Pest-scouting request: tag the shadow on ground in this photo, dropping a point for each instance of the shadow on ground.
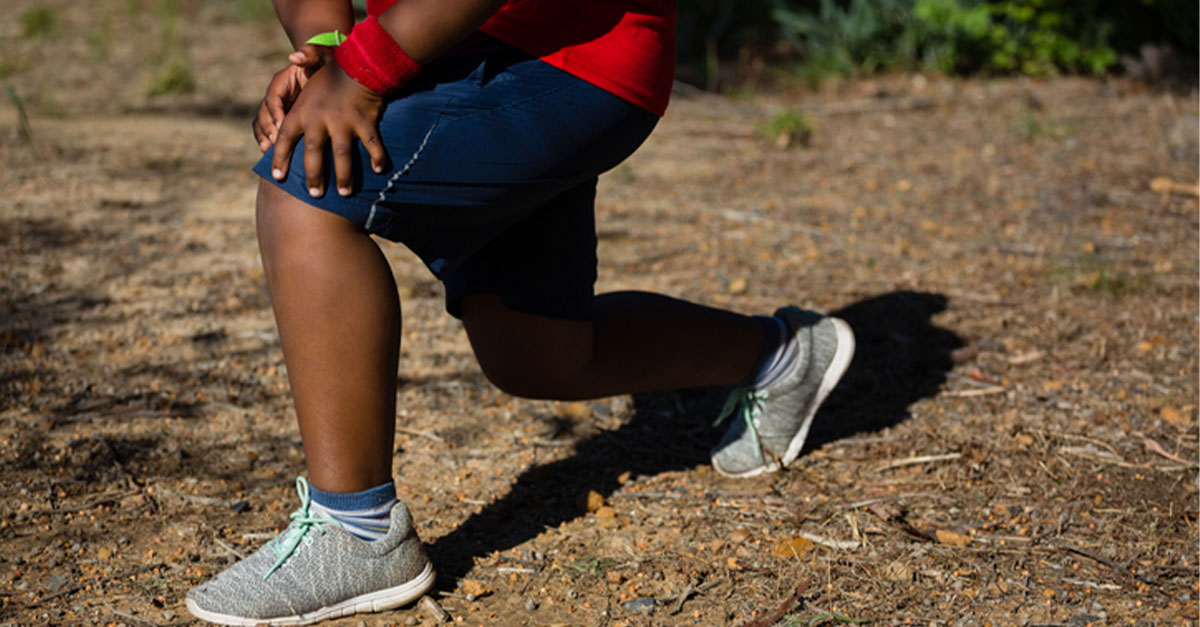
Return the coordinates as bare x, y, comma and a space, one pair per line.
901, 357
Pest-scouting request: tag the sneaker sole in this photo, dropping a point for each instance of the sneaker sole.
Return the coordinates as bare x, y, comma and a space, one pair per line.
833, 374
377, 601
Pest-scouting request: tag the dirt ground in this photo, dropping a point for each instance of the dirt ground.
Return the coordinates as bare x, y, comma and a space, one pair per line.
1015, 444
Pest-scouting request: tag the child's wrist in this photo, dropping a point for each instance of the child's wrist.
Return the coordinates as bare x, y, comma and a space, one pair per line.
371, 57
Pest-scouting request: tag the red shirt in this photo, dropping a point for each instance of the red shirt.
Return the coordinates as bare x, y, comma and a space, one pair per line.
626, 47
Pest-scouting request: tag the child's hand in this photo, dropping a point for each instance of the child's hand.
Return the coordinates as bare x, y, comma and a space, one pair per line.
336, 108
283, 90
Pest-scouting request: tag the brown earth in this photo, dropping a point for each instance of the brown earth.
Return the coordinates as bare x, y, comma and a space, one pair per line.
1016, 442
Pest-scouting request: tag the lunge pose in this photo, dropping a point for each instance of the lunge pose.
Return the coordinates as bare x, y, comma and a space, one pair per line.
473, 131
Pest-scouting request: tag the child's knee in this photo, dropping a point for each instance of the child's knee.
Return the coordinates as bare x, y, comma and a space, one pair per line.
526, 355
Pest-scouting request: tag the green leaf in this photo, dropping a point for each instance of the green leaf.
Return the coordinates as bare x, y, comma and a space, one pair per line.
332, 38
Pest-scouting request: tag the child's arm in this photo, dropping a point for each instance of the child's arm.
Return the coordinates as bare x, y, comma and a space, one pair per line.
301, 19
334, 107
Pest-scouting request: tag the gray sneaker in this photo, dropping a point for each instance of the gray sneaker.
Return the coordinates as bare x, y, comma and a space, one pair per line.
314, 570
772, 423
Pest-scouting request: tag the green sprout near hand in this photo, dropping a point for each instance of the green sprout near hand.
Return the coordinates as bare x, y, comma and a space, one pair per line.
333, 39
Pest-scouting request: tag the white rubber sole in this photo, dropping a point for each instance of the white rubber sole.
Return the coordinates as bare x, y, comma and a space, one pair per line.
377, 601
837, 367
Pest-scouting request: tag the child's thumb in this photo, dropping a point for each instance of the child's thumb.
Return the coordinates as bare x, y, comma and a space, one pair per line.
305, 56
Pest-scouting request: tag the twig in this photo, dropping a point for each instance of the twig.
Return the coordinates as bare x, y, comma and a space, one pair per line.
225, 545
988, 391
100, 500
841, 545
923, 459
783, 610
689, 591
1100, 558
136, 619
683, 596
1156, 448
1092, 584
424, 434
514, 569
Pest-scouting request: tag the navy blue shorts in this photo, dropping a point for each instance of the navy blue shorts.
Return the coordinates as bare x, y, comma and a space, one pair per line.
494, 157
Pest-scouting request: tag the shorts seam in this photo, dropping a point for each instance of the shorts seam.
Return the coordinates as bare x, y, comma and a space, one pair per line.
399, 173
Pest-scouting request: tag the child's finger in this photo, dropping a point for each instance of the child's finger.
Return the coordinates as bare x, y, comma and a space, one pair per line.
314, 160
369, 136
343, 166
275, 111
285, 143
265, 126
305, 56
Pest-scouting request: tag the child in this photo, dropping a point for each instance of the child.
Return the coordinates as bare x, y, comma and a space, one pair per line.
473, 131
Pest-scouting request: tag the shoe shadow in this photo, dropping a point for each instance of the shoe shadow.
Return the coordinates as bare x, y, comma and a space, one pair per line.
901, 357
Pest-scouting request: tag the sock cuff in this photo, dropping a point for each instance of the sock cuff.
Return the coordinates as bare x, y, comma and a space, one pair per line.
348, 501
774, 334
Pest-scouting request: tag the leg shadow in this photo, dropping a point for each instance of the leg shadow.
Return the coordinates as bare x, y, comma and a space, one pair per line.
901, 358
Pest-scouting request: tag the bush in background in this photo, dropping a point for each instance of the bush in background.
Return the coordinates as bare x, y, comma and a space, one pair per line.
846, 37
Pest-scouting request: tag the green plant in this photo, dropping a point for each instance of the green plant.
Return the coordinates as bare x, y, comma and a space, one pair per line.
594, 566
174, 77
1033, 127
253, 11
1034, 37
24, 130
822, 619
38, 21
788, 128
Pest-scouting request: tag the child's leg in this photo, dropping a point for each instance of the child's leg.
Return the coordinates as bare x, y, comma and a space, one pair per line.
637, 342
338, 315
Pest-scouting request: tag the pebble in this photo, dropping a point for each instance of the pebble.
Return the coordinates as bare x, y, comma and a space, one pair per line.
530, 605
644, 605
571, 594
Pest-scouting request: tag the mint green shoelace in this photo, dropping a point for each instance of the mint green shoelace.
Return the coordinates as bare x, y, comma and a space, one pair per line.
286, 542
747, 402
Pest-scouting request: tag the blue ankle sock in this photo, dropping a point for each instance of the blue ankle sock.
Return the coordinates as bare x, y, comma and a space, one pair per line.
778, 353
366, 514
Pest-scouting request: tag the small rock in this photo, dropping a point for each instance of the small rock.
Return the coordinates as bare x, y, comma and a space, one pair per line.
571, 594
606, 512
431, 607
411, 620
530, 605
104, 553
613, 576
738, 286
644, 605
539, 556
738, 535
593, 501
361, 623
946, 536
240, 506
474, 588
